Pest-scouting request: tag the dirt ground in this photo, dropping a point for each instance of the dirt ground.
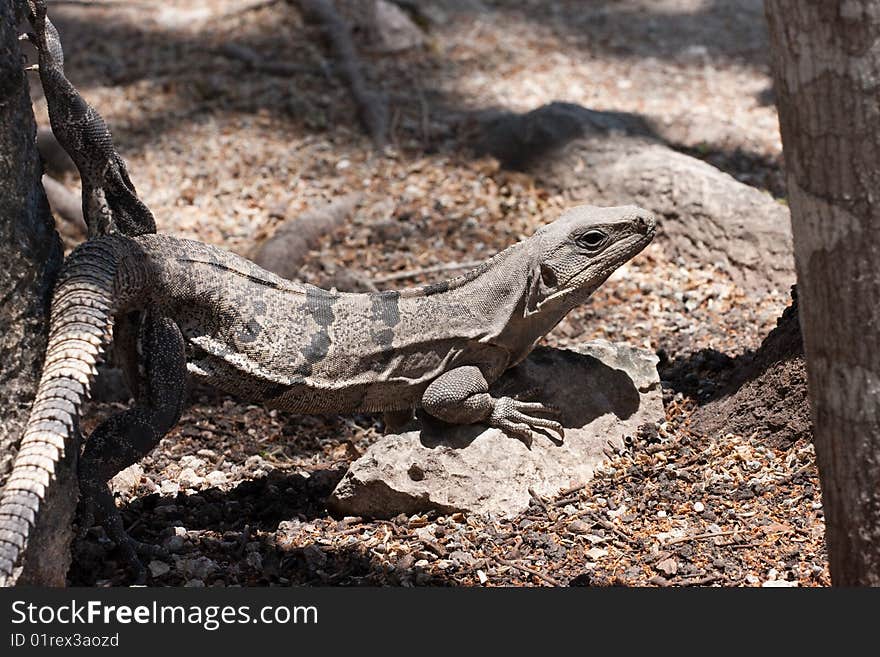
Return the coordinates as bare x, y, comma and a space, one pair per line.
223, 153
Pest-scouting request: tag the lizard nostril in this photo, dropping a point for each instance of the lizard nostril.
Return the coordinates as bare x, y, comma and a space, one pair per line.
645, 224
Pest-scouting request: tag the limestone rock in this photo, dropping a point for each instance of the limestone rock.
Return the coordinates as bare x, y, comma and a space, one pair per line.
605, 392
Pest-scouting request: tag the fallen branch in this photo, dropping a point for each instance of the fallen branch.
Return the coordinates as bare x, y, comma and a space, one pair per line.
698, 537
65, 203
254, 61
372, 107
531, 571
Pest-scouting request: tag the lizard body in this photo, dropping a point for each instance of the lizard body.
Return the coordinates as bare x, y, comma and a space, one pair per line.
170, 306
293, 346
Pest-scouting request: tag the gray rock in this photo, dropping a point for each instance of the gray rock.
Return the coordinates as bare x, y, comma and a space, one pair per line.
613, 158
605, 391
158, 568
393, 30
199, 568
173, 543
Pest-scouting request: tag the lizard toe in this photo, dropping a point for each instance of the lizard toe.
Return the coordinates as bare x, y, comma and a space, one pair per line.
517, 430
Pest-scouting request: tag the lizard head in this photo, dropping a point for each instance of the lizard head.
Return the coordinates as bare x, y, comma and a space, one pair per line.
578, 251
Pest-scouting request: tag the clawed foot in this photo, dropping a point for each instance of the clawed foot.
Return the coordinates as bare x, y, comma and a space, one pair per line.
517, 418
132, 550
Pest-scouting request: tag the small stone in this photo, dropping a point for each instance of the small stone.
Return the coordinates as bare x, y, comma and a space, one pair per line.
668, 566
482, 577
189, 479
194, 584
596, 553
198, 568
192, 462
169, 488
751, 579
578, 527
127, 480
254, 560
462, 558
314, 556
158, 568
661, 513
699, 507
491, 474
216, 478
173, 543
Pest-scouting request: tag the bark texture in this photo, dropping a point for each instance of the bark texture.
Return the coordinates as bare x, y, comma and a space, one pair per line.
31, 255
827, 72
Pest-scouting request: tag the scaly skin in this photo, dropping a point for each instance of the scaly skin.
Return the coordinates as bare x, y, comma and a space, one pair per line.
110, 201
296, 347
290, 346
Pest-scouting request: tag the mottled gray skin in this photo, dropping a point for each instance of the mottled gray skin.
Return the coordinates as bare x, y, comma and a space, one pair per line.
296, 347
292, 346
110, 201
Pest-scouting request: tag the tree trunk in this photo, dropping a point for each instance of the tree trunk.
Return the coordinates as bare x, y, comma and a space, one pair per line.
31, 255
827, 70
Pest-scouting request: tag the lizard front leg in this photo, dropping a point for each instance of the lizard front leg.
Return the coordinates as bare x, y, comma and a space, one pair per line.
461, 396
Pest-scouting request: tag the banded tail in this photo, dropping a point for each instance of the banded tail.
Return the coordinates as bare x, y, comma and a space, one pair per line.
81, 323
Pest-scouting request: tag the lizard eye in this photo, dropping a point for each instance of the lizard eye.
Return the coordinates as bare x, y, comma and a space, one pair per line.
592, 238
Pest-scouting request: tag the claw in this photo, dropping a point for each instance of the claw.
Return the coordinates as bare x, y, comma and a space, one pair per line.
516, 417
32, 67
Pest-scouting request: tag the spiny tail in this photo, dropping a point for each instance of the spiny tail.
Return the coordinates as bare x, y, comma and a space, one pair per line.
80, 328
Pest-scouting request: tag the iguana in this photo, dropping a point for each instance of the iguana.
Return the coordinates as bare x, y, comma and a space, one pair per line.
293, 346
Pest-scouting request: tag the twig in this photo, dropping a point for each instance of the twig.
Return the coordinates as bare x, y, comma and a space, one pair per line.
610, 526
572, 490
254, 61
697, 581
697, 537
415, 273
372, 106
538, 499
531, 571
